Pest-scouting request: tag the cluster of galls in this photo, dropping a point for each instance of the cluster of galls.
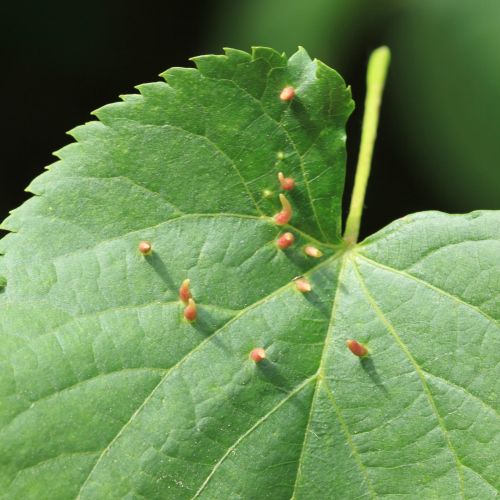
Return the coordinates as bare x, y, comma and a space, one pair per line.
190, 312
186, 297
286, 240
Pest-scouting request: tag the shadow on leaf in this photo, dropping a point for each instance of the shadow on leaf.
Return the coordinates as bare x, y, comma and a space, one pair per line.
369, 367
270, 371
155, 261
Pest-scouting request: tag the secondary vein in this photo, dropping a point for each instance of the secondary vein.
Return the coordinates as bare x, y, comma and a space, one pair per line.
390, 328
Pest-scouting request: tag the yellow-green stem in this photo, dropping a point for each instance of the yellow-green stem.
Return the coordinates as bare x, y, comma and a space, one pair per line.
375, 80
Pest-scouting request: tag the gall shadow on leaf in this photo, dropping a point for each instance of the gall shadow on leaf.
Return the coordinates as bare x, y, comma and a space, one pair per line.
155, 261
303, 117
270, 371
315, 300
369, 367
206, 324
299, 260
302, 209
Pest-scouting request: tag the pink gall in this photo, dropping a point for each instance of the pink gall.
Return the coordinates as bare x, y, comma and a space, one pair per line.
285, 215
302, 284
313, 252
356, 348
287, 94
185, 291
258, 354
285, 240
287, 183
145, 248
190, 311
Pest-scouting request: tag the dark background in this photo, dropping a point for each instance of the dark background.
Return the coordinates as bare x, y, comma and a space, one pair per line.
439, 136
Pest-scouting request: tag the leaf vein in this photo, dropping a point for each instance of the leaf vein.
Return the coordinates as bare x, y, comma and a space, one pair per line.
350, 441
429, 285
321, 377
494, 488
249, 431
299, 155
445, 381
399, 341
306, 431
184, 358
225, 155
56, 393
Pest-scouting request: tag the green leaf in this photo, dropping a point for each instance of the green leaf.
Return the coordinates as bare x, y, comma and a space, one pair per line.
107, 392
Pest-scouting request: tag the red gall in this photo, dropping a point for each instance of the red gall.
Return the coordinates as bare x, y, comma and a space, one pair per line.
190, 310
258, 354
356, 348
302, 284
184, 291
145, 248
285, 215
285, 240
287, 183
287, 94
313, 252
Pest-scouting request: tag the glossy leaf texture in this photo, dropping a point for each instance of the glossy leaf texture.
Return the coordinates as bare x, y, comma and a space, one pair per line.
108, 392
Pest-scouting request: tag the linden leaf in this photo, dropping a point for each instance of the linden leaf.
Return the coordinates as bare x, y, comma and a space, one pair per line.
106, 391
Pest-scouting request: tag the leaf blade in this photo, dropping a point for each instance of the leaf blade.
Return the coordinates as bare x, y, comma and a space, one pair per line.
101, 374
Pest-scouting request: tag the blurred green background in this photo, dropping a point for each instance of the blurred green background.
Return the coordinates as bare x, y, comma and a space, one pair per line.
439, 139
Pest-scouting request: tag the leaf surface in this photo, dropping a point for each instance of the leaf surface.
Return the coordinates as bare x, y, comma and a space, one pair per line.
107, 392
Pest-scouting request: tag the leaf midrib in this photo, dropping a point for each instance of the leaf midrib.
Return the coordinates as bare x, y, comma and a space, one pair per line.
222, 215
319, 380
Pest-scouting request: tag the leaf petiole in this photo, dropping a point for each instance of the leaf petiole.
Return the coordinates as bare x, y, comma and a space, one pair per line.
375, 80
